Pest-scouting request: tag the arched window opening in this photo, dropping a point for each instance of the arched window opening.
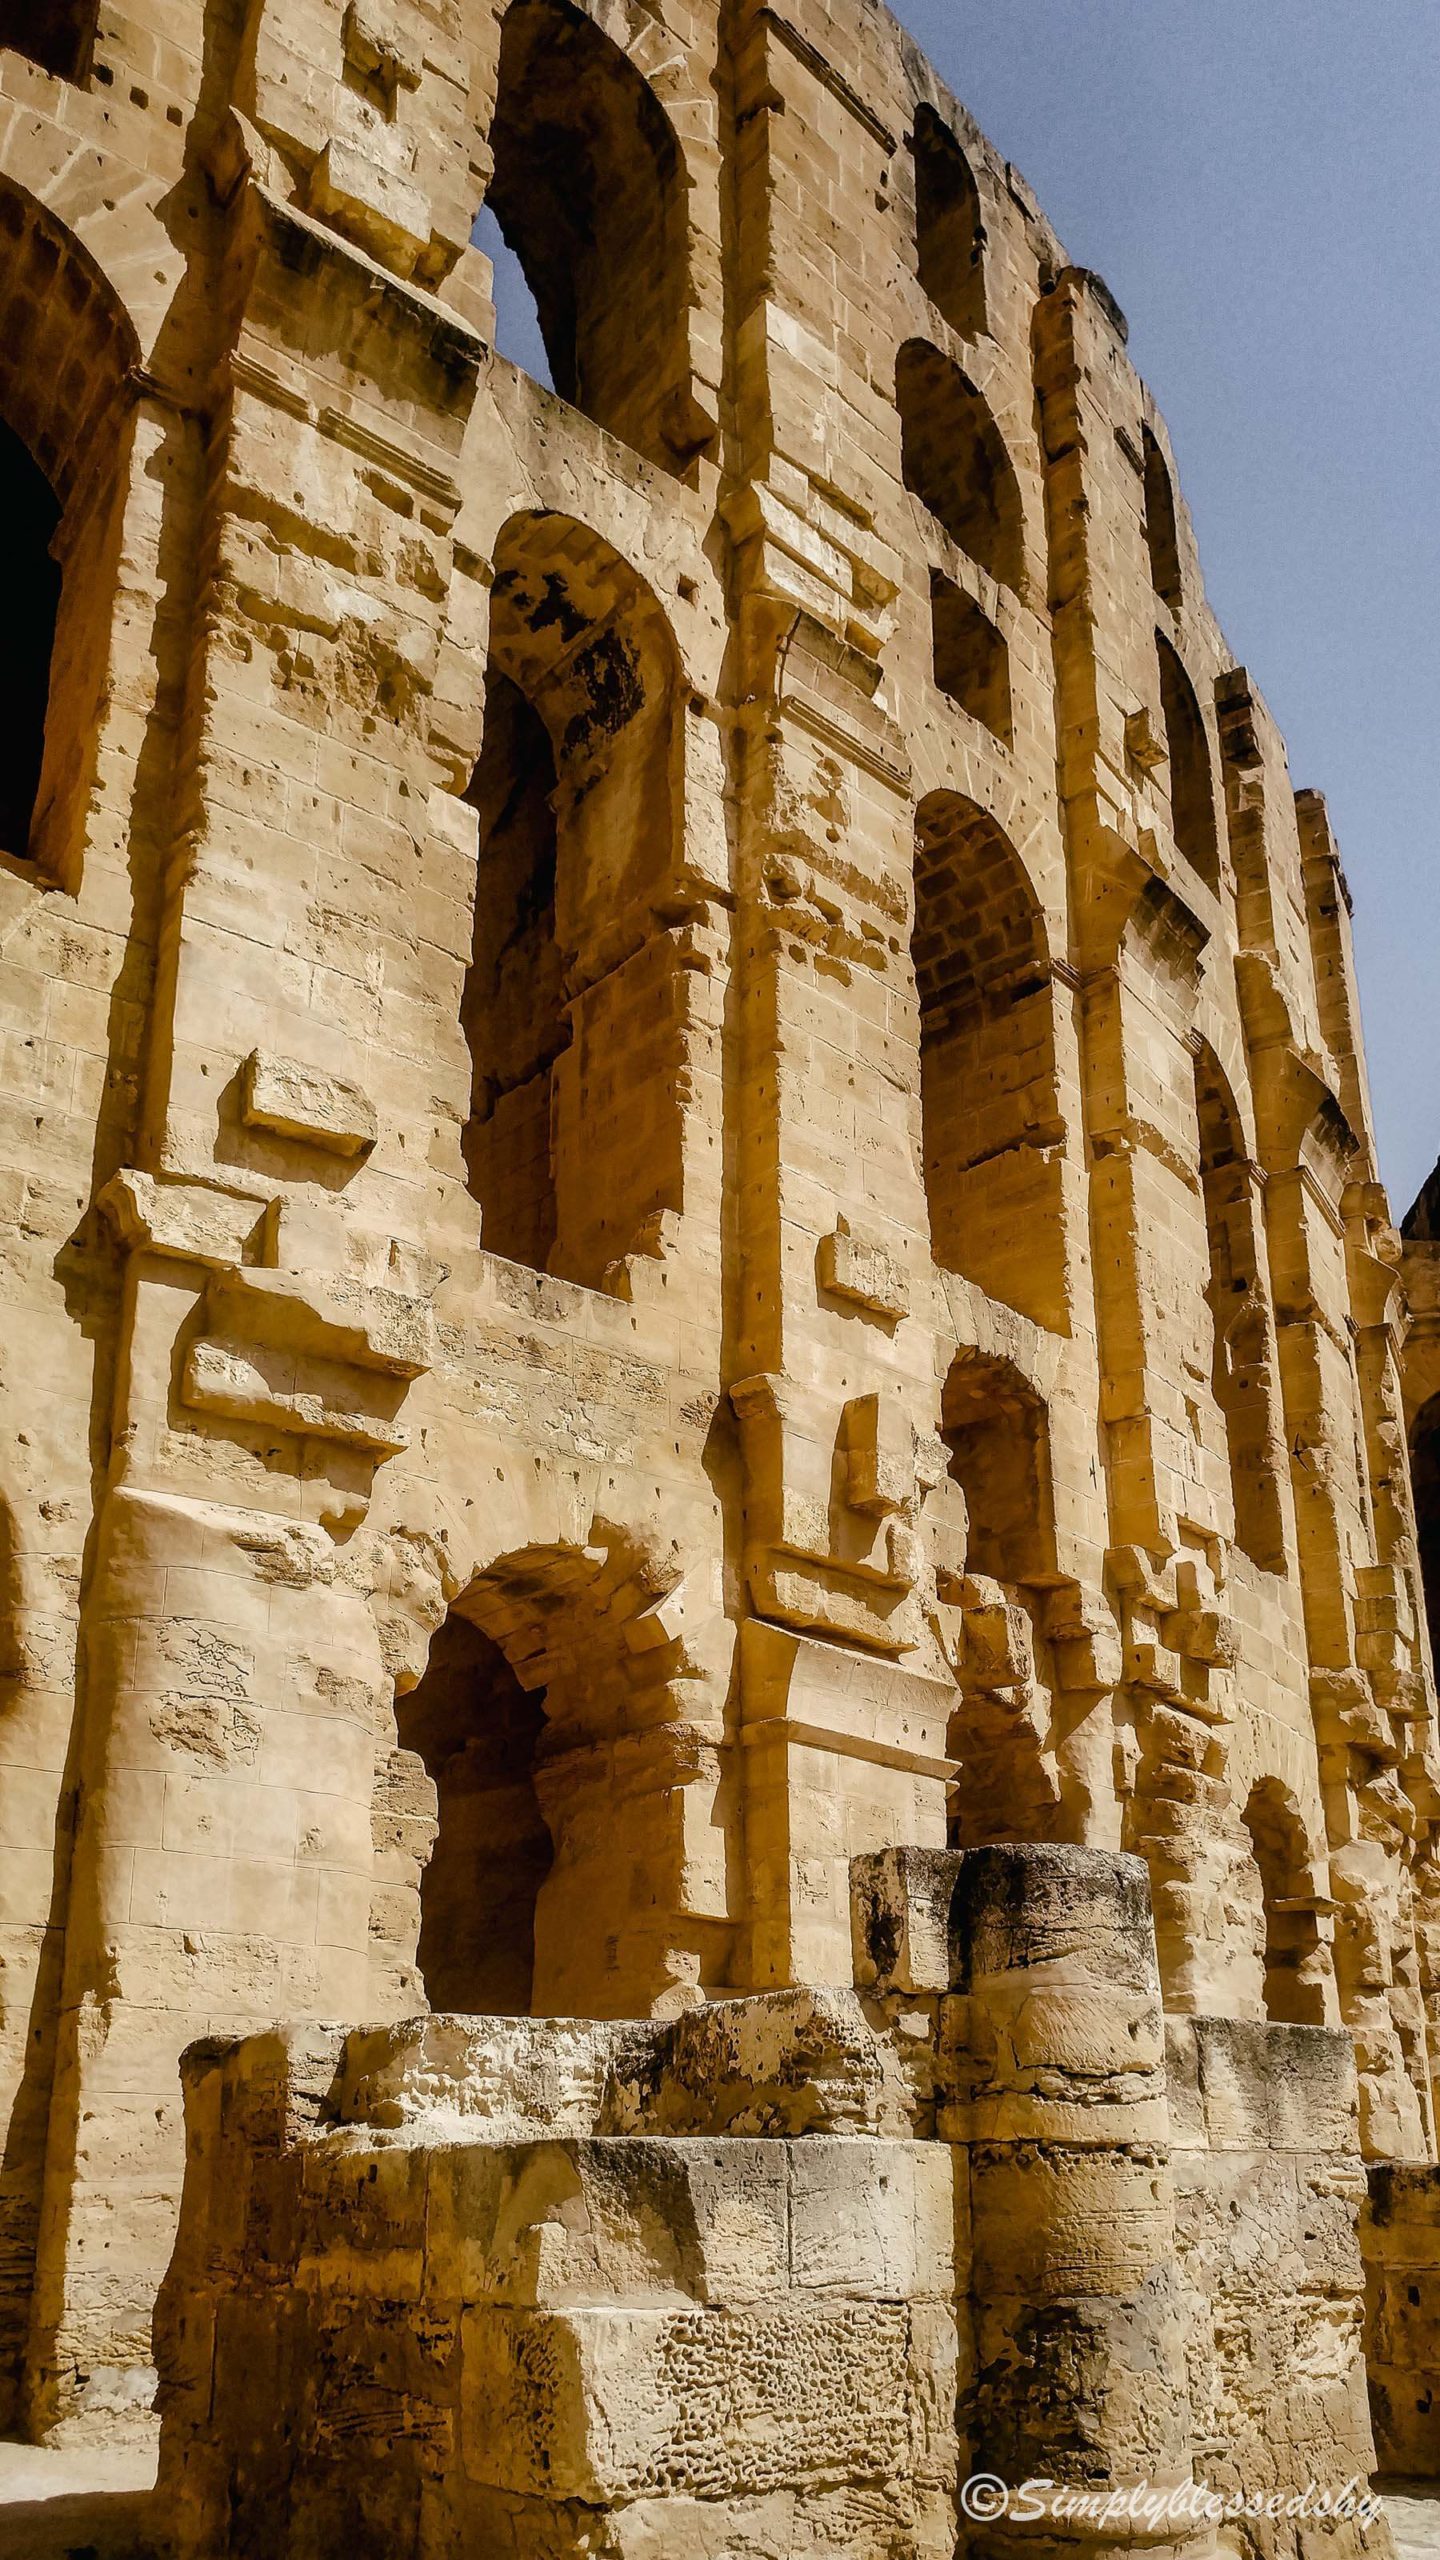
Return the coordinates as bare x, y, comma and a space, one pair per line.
1192, 784
949, 234
65, 359
953, 457
1161, 534
519, 337
1425, 1482
31, 512
476, 1730
972, 663
1290, 1951
574, 1005
514, 1010
589, 193
990, 1126
58, 35
1240, 1326
997, 1431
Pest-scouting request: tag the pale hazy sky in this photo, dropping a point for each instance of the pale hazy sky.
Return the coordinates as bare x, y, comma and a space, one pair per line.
1258, 181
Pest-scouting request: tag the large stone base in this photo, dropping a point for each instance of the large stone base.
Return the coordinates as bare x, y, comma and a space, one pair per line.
773, 2278
1400, 2236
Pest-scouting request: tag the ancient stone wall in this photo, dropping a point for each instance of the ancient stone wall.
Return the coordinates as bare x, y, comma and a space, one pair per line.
782, 2274
690, 1189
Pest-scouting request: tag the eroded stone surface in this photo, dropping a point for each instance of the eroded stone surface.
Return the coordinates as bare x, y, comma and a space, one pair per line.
687, 1196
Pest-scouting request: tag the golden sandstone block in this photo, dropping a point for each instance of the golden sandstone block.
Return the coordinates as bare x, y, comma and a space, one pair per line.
720, 1782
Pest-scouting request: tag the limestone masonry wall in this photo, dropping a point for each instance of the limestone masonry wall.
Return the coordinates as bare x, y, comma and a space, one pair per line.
689, 1196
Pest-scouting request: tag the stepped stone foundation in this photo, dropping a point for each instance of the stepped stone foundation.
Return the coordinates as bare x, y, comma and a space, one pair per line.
779, 2275
688, 1226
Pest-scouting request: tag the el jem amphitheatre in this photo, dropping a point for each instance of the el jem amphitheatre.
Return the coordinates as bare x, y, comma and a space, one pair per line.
721, 1794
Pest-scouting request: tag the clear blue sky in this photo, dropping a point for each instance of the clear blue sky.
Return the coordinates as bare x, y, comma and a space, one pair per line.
1258, 181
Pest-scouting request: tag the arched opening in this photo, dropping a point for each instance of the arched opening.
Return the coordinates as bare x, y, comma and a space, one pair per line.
1425, 1482
58, 35
515, 1009
66, 350
476, 1729
574, 1006
997, 1431
550, 1713
953, 457
1192, 785
972, 664
1291, 1956
589, 192
1162, 537
990, 1127
30, 511
949, 234
1240, 1329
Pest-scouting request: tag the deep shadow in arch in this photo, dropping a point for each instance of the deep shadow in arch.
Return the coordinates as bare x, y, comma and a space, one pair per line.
1162, 537
574, 1001
589, 192
949, 233
58, 35
971, 661
1192, 778
1243, 1386
476, 1729
30, 512
1425, 1481
996, 1429
990, 1126
65, 351
953, 457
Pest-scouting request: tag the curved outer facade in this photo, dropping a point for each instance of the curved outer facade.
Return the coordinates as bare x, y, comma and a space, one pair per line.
691, 1191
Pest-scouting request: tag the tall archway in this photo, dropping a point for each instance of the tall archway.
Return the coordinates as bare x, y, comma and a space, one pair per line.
1162, 536
589, 192
953, 458
1192, 778
949, 233
66, 350
476, 1729
573, 1003
30, 511
990, 1126
1241, 1358
1291, 1957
